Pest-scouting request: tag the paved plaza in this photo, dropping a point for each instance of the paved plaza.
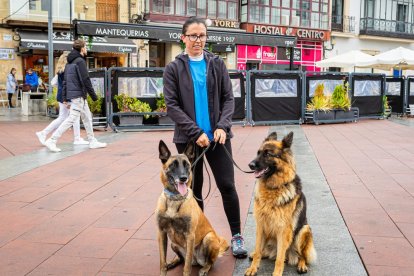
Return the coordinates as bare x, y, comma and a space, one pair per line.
91, 212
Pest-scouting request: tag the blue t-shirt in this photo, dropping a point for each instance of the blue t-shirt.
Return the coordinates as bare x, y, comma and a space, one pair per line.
199, 75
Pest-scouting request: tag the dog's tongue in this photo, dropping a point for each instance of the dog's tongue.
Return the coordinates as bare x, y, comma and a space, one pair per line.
182, 188
258, 174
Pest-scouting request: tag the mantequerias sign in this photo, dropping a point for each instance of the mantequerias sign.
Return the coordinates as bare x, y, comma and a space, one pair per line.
164, 33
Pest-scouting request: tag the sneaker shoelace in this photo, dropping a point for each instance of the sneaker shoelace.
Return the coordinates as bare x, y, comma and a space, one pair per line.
238, 242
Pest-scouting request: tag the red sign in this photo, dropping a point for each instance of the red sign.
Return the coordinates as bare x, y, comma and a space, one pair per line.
301, 33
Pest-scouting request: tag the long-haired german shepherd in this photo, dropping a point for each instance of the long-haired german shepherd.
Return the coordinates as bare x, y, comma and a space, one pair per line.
282, 230
180, 218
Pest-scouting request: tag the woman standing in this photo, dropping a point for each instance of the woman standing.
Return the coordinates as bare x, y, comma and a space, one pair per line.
199, 99
11, 85
63, 109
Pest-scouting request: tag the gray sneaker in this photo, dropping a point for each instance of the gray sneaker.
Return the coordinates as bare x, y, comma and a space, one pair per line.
237, 246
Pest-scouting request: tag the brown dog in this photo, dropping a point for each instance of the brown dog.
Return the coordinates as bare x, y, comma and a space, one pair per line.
180, 218
280, 209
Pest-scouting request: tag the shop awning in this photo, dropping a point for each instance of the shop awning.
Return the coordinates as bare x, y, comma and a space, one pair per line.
166, 33
62, 42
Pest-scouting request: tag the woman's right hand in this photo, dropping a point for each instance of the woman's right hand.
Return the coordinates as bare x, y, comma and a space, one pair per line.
203, 140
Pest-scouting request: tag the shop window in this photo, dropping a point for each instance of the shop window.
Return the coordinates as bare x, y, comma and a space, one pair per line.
39, 5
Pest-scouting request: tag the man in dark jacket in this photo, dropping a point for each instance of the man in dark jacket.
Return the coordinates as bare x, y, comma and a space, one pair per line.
199, 98
76, 86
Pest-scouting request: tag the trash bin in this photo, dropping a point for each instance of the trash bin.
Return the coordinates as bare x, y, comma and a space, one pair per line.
34, 104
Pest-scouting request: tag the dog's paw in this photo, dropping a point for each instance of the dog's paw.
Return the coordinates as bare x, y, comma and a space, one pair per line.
302, 270
251, 271
202, 273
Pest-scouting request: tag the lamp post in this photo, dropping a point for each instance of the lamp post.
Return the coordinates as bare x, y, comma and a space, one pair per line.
50, 37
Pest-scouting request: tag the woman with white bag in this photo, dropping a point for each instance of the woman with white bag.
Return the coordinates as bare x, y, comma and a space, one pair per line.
63, 109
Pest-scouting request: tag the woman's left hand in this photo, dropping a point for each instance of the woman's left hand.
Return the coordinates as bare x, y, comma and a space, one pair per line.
220, 136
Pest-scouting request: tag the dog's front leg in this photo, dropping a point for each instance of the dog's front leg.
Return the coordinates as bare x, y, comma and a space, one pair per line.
189, 254
284, 239
162, 245
257, 254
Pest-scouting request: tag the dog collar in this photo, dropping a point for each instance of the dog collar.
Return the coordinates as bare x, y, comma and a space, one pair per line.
174, 196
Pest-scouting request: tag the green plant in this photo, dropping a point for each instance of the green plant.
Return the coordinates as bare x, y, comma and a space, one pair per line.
340, 98
95, 106
129, 104
51, 99
386, 103
160, 101
319, 100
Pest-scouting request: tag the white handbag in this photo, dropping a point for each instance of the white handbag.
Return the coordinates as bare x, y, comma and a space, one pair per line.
54, 81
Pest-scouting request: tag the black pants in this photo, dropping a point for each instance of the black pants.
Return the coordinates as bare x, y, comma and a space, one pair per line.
223, 171
9, 96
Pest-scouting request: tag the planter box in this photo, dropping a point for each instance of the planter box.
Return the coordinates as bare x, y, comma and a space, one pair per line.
347, 115
332, 116
319, 115
130, 120
165, 120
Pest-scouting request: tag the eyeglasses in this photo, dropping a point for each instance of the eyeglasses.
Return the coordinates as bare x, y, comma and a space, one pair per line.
195, 37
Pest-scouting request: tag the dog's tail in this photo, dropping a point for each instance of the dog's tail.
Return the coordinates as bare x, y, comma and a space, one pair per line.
224, 246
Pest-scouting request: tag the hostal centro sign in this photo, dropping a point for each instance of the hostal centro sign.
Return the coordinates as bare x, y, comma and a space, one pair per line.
305, 34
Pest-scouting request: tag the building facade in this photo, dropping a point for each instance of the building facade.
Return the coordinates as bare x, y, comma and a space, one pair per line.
24, 33
307, 20
372, 26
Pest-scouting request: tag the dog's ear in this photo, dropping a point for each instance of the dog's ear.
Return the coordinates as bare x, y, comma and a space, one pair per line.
272, 136
287, 140
189, 151
164, 152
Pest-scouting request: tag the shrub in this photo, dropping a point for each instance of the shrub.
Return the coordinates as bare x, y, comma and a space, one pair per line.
340, 98
129, 104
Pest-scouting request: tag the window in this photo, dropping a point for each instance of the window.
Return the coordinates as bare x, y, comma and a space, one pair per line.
39, 5
295, 13
224, 9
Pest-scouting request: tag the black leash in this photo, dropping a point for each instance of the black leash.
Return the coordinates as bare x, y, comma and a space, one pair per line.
234, 162
209, 178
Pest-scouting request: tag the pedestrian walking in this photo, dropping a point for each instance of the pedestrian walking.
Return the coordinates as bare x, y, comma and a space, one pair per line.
11, 86
63, 108
199, 98
76, 86
32, 79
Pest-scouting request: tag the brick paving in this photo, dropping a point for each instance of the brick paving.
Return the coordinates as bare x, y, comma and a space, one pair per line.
91, 213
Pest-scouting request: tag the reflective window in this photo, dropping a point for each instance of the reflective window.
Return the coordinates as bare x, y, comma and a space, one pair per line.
367, 88
276, 88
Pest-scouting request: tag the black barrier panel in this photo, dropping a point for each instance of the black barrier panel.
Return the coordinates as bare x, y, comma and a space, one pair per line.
367, 94
239, 92
143, 85
276, 96
410, 92
394, 90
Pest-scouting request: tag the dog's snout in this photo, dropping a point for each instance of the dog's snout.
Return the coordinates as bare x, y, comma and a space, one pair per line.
253, 165
183, 178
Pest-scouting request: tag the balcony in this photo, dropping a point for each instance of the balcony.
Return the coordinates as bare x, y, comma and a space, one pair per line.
387, 28
343, 23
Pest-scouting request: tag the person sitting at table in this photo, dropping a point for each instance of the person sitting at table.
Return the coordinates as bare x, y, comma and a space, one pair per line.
32, 79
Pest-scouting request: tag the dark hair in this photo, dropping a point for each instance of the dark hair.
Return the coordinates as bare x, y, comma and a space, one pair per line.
11, 71
78, 44
193, 20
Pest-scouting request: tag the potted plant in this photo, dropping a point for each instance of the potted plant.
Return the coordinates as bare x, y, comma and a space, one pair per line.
320, 105
341, 103
96, 106
52, 104
163, 119
387, 107
130, 105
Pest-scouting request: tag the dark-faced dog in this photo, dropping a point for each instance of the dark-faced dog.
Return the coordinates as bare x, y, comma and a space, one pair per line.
180, 218
280, 209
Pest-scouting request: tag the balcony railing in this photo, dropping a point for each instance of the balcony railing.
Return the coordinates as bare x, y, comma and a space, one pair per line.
343, 23
389, 28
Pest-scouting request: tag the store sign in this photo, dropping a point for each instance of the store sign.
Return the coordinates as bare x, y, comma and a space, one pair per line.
137, 31
226, 24
306, 34
284, 54
6, 54
264, 53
